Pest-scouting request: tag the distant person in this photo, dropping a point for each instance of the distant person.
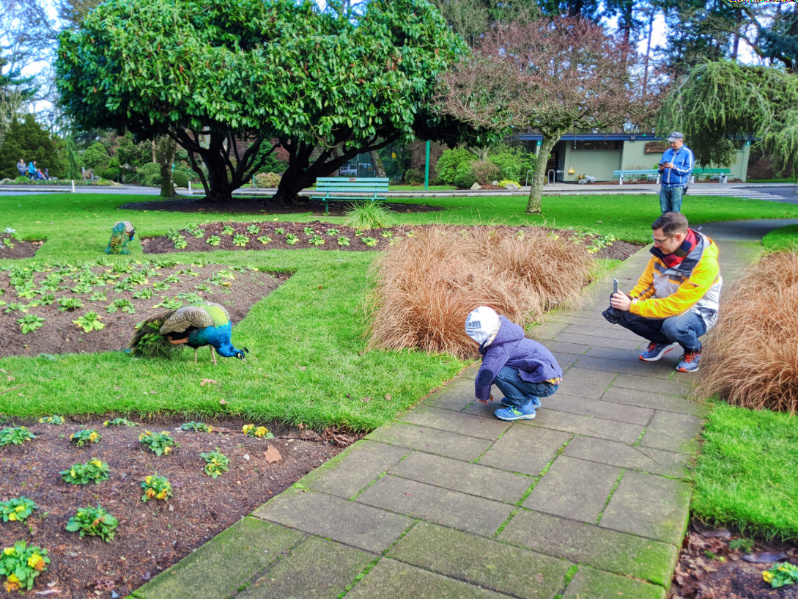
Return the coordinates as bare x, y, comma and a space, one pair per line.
22, 167
32, 170
675, 168
675, 300
522, 369
47, 174
39, 174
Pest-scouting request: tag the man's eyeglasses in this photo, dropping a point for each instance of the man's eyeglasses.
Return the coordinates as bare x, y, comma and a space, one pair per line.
660, 241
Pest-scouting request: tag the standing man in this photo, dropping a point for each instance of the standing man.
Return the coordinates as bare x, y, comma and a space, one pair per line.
676, 299
675, 168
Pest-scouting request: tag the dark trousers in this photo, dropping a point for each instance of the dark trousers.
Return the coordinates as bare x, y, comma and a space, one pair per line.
684, 329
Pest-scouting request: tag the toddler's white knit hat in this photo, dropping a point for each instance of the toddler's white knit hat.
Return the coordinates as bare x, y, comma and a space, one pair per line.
482, 323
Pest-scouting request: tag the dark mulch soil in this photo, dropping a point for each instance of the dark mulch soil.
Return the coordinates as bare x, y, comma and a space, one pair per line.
330, 235
709, 569
12, 248
154, 535
59, 335
264, 206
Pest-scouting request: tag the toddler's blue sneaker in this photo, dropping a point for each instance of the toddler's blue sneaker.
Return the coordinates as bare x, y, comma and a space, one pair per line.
535, 402
655, 351
526, 412
689, 362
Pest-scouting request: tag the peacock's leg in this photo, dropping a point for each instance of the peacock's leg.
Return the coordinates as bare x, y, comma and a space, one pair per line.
195, 355
213, 355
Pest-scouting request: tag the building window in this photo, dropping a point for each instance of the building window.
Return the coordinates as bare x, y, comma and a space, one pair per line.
597, 145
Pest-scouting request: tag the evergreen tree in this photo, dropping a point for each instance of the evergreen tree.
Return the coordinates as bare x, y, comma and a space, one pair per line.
14, 91
27, 140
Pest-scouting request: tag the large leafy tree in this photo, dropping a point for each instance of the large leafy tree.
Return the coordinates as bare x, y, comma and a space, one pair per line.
226, 78
550, 75
719, 103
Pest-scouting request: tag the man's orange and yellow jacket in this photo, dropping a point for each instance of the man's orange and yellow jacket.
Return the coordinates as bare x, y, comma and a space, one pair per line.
691, 285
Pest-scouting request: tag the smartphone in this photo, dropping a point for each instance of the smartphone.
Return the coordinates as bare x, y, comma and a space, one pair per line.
614, 286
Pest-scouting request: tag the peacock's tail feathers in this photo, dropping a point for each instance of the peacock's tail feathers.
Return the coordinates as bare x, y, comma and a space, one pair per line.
118, 241
196, 316
149, 342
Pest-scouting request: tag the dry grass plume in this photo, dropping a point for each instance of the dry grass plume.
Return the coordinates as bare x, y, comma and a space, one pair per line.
751, 357
426, 285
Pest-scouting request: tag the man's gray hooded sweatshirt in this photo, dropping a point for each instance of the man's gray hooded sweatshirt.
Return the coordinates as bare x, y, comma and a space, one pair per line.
533, 361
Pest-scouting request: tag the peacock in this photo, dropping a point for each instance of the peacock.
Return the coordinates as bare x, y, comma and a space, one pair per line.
122, 232
196, 325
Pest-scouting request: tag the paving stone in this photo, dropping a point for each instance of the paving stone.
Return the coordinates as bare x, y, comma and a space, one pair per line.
349, 522
654, 401
598, 341
450, 508
225, 562
609, 353
649, 506
473, 426
567, 348
316, 568
390, 579
581, 382
586, 425
431, 440
473, 479
574, 489
603, 332
524, 449
644, 383
456, 395
549, 330
599, 322
597, 408
673, 432
661, 370
604, 549
483, 562
350, 471
595, 584
565, 360
645, 459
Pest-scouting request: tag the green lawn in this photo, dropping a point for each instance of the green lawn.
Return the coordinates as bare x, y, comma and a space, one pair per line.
782, 180
782, 239
308, 360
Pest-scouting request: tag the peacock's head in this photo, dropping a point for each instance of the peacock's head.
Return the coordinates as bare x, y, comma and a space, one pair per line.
241, 354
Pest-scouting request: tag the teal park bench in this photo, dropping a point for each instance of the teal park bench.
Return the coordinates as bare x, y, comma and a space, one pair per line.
635, 173
723, 172
346, 188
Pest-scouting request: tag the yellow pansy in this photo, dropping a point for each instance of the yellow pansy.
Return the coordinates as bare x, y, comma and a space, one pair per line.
93, 437
261, 431
150, 493
167, 450
247, 428
12, 517
161, 495
148, 480
210, 429
72, 473
767, 576
96, 463
19, 508
8, 551
36, 562
105, 423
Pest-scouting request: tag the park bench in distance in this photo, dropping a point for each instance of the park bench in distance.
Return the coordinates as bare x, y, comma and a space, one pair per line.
723, 172
345, 188
636, 173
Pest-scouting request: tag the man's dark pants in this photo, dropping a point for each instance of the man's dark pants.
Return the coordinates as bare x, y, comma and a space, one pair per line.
684, 329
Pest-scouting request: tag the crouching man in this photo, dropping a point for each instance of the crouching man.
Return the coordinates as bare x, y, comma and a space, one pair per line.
675, 300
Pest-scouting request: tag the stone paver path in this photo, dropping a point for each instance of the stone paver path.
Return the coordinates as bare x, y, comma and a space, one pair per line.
590, 500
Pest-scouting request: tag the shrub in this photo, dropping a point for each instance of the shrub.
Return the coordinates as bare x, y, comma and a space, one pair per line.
513, 162
96, 157
365, 216
267, 179
750, 358
465, 179
112, 174
180, 179
450, 162
484, 171
413, 176
426, 286
149, 174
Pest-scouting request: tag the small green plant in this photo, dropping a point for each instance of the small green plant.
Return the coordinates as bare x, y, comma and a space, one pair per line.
744, 545
369, 241
316, 240
332, 232
264, 239
213, 240
279, 231
17, 509
80, 438
21, 564
89, 322
180, 242
190, 297
161, 286
15, 435
119, 422
172, 279
54, 420
123, 286
138, 278
203, 287
227, 230
253, 229
195, 230
121, 304
291, 239
93, 521
343, 240
69, 304
215, 463
260, 432
99, 296
197, 427
240, 240
158, 443
156, 487
30, 323
308, 230
93, 471
781, 575
81, 288
144, 293
386, 234
44, 300
17, 307
169, 303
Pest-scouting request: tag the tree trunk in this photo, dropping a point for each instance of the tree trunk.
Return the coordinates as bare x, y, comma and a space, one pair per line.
219, 188
165, 153
536, 191
379, 170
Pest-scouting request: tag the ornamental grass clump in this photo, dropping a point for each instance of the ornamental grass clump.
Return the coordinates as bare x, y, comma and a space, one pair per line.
425, 286
21, 564
750, 358
93, 522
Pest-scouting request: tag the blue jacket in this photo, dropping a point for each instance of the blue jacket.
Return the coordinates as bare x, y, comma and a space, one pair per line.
683, 162
534, 362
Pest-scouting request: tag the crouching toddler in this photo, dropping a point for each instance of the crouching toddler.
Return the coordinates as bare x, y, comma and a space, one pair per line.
522, 369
